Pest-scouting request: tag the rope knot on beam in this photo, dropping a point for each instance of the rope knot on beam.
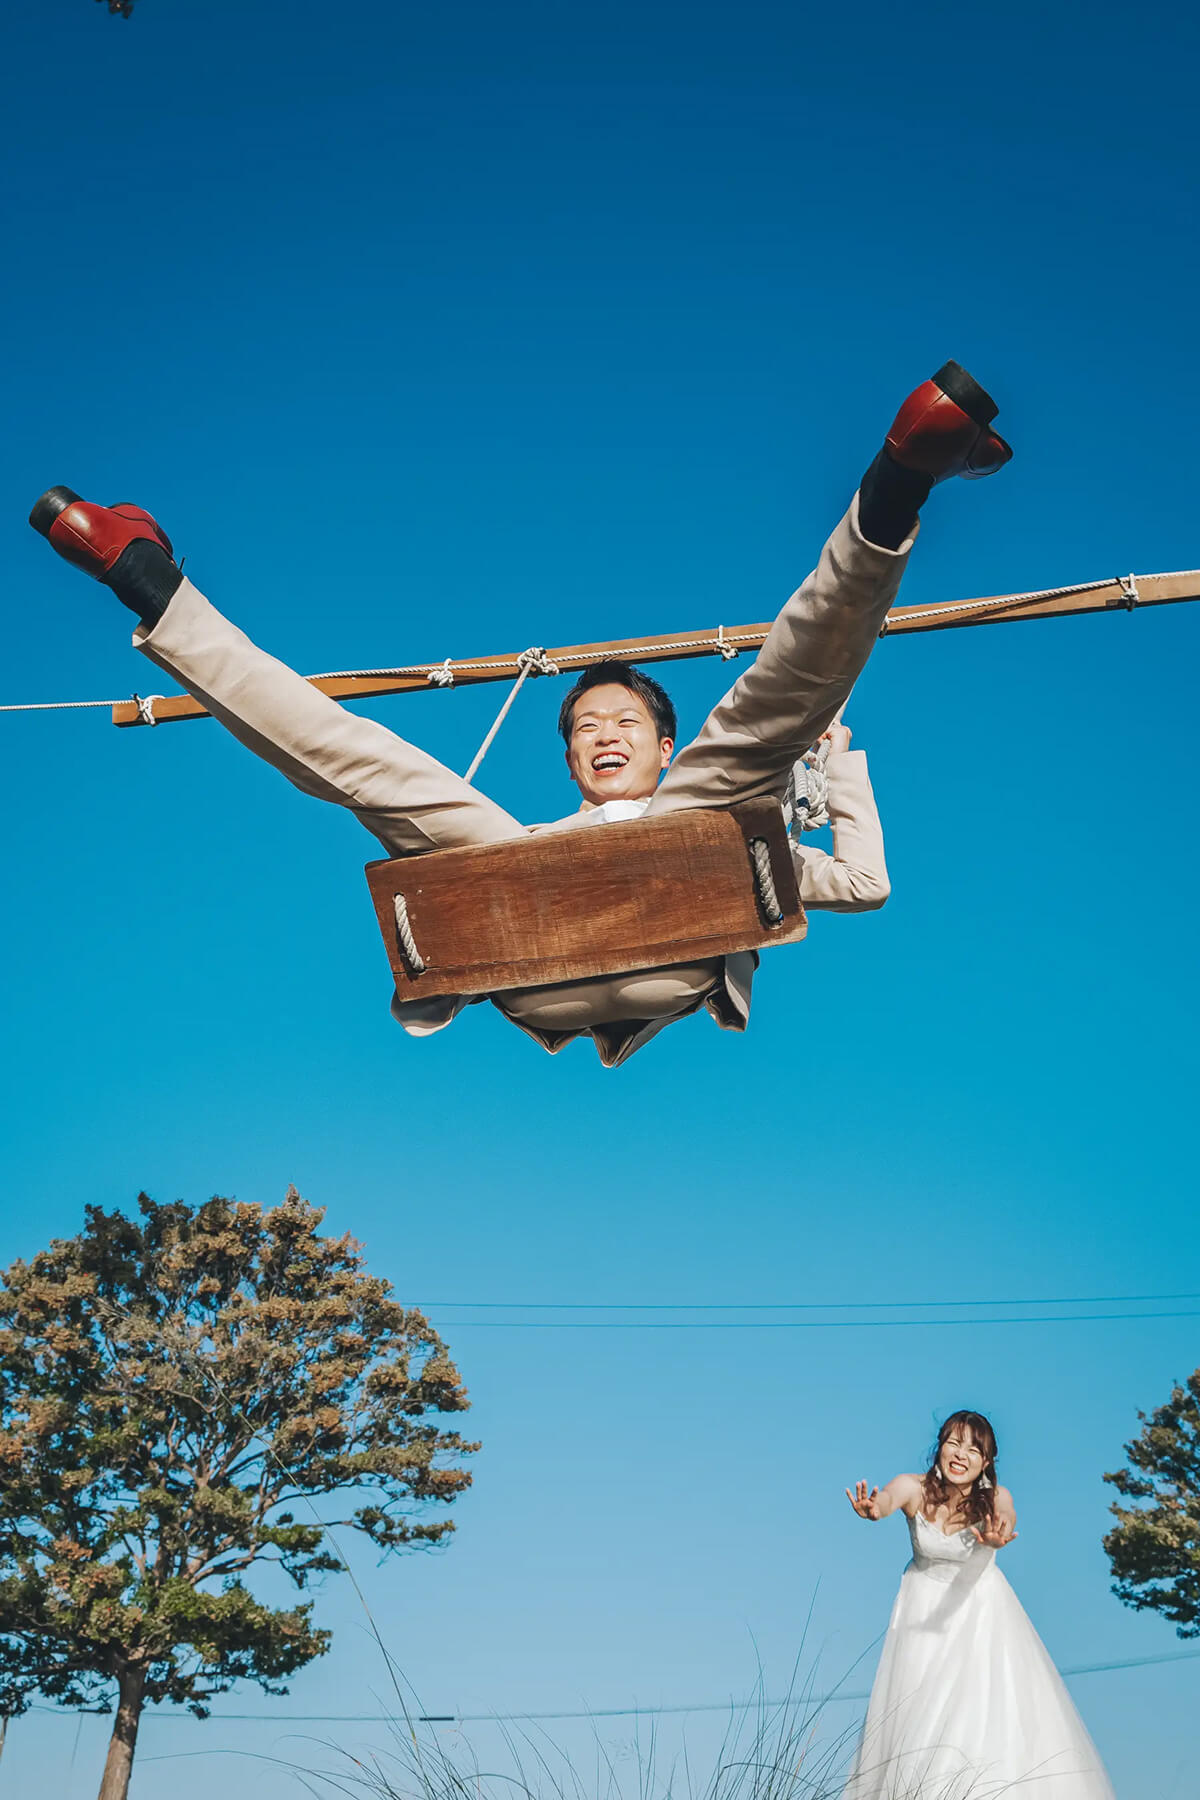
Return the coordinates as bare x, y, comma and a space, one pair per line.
534, 661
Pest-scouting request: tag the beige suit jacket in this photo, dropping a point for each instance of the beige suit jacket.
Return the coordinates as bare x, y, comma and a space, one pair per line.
853, 878
780, 703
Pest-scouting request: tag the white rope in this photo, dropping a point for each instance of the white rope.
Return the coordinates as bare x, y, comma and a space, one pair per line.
59, 705
726, 644
806, 804
145, 706
445, 674
1002, 600
530, 662
764, 880
723, 643
408, 942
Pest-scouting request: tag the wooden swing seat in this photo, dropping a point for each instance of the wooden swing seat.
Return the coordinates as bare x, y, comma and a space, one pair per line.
574, 904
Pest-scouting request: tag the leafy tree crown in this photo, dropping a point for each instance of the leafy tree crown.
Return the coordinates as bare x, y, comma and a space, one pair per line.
172, 1388
1154, 1548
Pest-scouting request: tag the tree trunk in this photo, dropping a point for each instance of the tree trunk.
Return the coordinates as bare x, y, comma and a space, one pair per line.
119, 1764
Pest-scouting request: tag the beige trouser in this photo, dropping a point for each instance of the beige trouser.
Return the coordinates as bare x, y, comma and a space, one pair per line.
410, 802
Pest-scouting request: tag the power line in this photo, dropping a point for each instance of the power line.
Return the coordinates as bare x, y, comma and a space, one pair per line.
793, 1305
606, 1712
794, 1324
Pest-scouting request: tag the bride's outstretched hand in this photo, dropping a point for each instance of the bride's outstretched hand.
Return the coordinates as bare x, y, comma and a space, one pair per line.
999, 1533
865, 1504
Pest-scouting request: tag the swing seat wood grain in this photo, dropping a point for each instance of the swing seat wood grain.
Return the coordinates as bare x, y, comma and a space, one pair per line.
571, 905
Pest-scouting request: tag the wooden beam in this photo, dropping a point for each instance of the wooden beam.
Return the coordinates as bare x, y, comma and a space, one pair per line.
998, 609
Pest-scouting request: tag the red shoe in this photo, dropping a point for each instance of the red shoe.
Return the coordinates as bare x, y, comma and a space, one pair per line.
93, 537
943, 429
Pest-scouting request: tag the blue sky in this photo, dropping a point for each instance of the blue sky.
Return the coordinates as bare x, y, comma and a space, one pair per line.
433, 332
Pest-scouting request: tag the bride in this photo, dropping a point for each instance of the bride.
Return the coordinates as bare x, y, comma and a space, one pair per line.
966, 1704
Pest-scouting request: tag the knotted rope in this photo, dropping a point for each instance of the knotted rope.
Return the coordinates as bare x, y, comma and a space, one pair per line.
530, 662
806, 803
724, 642
145, 706
535, 661
404, 932
764, 881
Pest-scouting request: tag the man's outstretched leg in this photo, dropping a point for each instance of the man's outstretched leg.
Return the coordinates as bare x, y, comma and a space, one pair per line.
409, 800
818, 645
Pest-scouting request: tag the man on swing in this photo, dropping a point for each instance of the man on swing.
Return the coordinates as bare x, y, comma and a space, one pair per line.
618, 724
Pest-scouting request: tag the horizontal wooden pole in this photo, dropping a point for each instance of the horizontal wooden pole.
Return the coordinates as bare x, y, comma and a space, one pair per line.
997, 609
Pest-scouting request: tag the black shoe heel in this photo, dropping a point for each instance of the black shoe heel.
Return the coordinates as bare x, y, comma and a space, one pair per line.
54, 501
954, 381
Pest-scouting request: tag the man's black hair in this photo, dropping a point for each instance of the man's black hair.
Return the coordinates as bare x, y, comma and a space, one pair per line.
621, 674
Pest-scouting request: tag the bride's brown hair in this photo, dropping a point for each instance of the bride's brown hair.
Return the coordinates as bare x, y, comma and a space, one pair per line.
981, 1500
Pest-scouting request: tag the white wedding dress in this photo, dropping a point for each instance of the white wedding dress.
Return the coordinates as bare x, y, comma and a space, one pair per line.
967, 1704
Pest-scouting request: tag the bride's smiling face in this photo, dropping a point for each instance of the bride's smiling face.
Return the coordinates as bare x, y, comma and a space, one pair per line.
960, 1459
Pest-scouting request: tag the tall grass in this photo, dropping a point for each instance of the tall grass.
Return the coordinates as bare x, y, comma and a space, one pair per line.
766, 1751
786, 1750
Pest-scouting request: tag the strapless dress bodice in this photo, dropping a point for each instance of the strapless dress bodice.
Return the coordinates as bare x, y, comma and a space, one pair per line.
938, 1554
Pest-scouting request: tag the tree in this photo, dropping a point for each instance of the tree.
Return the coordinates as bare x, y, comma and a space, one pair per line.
171, 1386
1155, 1546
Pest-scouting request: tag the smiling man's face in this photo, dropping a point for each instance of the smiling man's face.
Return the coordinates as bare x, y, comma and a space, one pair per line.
615, 752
